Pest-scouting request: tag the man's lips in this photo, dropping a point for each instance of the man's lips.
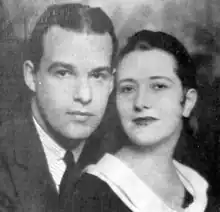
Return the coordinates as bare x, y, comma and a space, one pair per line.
144, 120
80, 116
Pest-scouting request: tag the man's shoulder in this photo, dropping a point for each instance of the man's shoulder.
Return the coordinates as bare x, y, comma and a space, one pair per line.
13, 124
13, 130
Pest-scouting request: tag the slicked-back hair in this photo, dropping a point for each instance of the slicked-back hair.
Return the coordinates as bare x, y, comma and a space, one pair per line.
71, 16
146, 40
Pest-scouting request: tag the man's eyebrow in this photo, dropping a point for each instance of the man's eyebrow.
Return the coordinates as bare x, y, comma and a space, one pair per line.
61, 64
102, 68
161, 77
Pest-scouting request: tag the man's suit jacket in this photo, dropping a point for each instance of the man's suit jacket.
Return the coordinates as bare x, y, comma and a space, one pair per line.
25, 181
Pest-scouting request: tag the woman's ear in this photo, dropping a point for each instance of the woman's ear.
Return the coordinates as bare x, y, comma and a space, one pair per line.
29, 75
190, 102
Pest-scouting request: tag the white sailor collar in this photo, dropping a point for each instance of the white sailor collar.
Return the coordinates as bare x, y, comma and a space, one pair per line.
137, 195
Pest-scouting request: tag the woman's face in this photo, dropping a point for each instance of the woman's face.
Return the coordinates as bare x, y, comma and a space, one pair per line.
149, 96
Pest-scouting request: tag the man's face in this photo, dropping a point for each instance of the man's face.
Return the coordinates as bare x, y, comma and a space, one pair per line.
73, 82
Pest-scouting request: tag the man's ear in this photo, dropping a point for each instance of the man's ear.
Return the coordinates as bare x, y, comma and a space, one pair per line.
29, 75
190, 102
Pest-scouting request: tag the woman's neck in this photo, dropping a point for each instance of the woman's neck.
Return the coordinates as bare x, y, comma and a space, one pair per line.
154, 166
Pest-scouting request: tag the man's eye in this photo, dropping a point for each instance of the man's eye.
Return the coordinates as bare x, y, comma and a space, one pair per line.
99, 75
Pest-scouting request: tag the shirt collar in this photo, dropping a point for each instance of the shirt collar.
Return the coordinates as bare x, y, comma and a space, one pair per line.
139, 194
51, 146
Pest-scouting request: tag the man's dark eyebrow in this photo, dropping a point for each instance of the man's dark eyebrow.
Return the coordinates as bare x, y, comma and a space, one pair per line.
101, 69
61, 64
161, 77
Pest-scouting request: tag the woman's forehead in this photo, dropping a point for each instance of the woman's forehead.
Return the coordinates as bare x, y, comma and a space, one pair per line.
140, 64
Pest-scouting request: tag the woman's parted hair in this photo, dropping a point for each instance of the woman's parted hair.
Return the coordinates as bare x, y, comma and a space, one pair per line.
146, 40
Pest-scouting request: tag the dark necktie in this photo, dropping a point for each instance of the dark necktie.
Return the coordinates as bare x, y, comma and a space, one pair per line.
68, 181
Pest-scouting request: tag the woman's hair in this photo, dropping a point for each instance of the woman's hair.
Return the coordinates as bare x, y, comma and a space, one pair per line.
146, 40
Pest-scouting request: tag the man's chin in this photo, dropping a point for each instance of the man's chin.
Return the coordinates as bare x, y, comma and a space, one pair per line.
78, 134
72, 140
73, 134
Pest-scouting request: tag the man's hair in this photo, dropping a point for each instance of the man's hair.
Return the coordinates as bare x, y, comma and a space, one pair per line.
146, 40
76, 17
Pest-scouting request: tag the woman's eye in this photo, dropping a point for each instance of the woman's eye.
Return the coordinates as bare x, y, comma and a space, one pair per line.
159, 86
126, 89
62, 73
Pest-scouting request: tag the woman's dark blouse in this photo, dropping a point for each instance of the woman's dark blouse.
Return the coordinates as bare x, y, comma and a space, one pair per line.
91, 194
94, 195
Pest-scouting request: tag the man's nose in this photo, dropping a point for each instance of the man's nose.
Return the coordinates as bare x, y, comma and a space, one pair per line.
83, 92
142, 100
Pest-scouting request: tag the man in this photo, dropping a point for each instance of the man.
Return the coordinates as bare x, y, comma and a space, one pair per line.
68, 67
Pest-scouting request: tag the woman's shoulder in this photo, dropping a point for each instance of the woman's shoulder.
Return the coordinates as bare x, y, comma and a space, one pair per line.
213, 204
93, 195
91, 185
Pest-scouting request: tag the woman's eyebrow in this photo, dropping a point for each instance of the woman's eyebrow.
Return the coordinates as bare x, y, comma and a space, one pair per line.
161, 77
127, 80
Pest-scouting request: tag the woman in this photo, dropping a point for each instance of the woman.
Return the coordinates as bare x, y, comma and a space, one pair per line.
156, 91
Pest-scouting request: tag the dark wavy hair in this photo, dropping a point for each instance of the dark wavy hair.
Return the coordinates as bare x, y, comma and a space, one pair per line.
146, 40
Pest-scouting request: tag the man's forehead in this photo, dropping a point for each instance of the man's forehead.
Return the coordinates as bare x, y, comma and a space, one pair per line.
57, 38
82, 50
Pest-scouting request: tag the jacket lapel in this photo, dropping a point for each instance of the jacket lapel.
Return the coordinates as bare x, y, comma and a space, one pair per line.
33, 181
30, 172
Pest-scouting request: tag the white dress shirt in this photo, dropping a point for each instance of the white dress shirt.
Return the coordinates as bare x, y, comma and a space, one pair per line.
54, 154
137, 195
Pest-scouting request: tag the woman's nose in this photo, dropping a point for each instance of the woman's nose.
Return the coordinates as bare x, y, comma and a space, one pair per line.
143, 100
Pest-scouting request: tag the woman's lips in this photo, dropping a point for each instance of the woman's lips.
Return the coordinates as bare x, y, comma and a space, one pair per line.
143, 121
